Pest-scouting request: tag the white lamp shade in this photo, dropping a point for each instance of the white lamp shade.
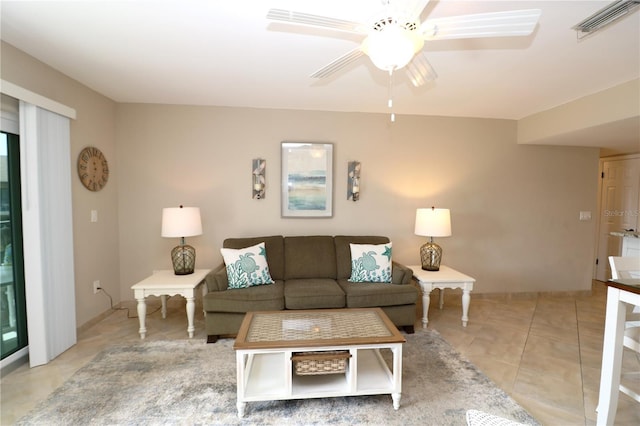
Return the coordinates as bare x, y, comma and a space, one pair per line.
181, 222
433, 222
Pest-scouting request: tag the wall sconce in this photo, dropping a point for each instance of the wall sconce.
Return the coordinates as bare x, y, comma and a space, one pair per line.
353, 181
258, 179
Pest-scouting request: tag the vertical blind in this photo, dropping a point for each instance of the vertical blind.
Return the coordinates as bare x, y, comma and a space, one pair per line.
47, 232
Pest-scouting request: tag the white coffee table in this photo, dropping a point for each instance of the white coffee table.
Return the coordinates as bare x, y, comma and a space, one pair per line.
444, 278
166, 283
267, 342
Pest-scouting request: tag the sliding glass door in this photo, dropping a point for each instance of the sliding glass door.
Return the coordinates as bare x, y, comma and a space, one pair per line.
13, 319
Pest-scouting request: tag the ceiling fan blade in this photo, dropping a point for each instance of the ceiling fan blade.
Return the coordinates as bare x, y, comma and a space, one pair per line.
405, 12
315, 20
338, 64
495, 24
420, 70
414, 8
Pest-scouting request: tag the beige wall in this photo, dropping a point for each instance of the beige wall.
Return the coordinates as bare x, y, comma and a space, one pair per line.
618, 103
95, 244
609, 119
514, 208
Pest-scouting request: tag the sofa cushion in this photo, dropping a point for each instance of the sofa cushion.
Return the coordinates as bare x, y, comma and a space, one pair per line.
274, 247
371, 263
309, 257
400, 274
313, 293
216, 280
246, 267
343, 251
368, 295
257, 298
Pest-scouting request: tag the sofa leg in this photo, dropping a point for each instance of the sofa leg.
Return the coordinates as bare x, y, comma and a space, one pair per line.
212, 338
409, 329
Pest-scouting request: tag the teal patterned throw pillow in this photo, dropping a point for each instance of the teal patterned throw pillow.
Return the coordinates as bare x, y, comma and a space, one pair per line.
247, 267
370, 263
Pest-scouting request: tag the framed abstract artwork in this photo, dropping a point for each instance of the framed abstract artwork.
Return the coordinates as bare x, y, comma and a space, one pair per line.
307, 179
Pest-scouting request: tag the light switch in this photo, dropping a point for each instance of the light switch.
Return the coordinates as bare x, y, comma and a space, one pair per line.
94, 215
586, 215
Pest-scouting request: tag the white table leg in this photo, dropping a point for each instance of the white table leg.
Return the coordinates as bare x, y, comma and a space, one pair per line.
397, 376
240, 381
191, 308
396, 400
441, 298
466, 301
426, 299
611, 358
241, 406
163, 299
142, 313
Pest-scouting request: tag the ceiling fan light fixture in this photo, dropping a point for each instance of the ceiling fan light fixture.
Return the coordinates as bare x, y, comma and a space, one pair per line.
392, 47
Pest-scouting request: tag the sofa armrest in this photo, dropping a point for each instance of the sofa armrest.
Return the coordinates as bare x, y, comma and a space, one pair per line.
216, 280
401, 274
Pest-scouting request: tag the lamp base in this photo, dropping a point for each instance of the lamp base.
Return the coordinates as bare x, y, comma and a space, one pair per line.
184, 259
430, 255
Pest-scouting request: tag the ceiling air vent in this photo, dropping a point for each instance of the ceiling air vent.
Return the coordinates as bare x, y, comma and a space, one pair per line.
605, 16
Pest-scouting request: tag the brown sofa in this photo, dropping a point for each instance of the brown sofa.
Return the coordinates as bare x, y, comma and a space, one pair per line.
310, 272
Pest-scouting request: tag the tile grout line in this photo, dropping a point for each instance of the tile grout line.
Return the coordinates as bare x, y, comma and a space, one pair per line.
515, 379
582, 373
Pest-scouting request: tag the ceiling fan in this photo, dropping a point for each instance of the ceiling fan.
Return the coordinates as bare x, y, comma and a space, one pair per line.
395, 36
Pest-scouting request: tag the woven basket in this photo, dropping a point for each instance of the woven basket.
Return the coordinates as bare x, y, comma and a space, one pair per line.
316, 363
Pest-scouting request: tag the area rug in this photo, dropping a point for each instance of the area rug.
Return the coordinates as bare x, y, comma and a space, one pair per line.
189, 382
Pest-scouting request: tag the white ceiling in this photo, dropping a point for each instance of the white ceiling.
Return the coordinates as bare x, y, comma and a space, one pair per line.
227, 53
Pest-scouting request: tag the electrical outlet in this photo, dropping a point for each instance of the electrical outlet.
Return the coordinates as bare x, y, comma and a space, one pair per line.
96, 286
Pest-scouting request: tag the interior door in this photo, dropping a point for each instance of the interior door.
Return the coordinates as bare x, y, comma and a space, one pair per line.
619, 206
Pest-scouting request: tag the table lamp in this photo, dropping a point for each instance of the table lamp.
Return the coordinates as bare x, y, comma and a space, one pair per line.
432, 223
182, 222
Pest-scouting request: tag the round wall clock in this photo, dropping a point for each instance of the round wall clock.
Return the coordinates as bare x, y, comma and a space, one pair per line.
93, 168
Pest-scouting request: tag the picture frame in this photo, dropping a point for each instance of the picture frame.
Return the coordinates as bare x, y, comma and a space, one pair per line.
307, 179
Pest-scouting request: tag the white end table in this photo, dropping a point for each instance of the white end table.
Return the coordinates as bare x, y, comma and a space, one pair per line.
167, 283
444, 278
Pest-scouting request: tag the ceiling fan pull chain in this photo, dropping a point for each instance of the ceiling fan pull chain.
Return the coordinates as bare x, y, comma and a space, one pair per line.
390, 101
390, 92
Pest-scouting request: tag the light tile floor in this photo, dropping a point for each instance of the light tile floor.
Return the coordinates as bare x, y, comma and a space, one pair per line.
544, 351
